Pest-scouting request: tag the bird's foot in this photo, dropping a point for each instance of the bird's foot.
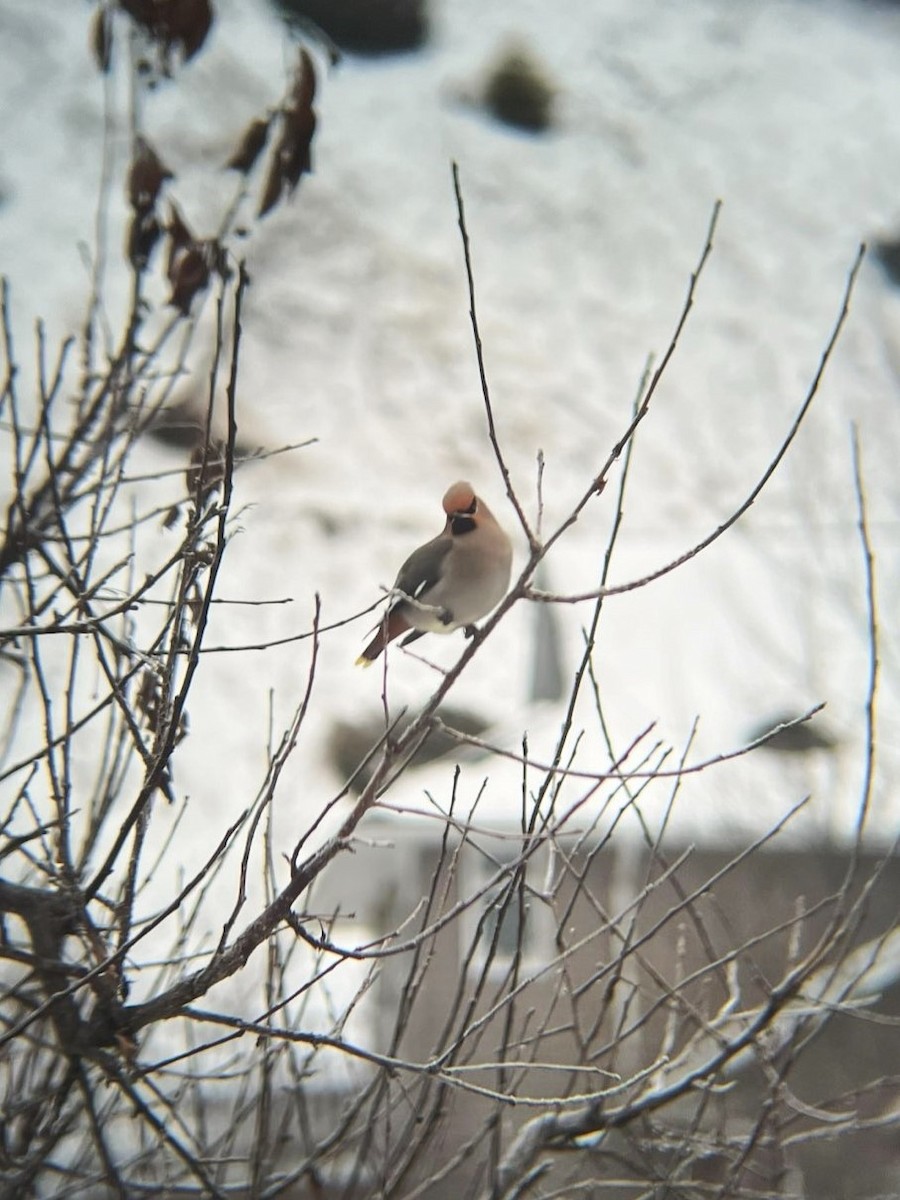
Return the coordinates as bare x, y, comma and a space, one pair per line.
472, 631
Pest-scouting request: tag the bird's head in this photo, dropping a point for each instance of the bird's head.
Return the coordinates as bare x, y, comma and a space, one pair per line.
460, 500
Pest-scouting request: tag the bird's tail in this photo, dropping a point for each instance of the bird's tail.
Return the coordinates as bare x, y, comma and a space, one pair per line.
392, 626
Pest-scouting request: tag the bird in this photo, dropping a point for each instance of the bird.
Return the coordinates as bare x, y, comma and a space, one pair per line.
451, 581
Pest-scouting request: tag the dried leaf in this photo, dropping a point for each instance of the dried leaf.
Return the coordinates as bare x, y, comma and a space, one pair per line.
296, 157
146, 176
299, 122
173, 24
189, 262
292, 154
178, 231
188, 275
304, 91
250, 146
171, 516
190, 24
143, 234
101, 38
141, 11
271, 192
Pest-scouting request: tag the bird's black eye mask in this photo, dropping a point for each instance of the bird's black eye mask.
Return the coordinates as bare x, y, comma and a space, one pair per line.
460, 523
463, 521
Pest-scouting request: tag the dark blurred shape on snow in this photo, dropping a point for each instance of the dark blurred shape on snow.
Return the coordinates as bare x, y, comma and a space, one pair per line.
519, 92
799, 738
349, 744
887, 254
180, 425
364, 26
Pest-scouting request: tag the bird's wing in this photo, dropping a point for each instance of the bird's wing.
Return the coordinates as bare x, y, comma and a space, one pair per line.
424, 568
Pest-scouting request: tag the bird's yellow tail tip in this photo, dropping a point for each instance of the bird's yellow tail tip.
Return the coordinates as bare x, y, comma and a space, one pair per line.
362, 661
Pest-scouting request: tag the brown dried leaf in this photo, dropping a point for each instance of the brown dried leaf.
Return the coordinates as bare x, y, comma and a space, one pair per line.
101, 38
188, 263
173, 24
188, 275
304, 90
142, 12
296, 156
292, 153
191, 22
146, 176
250, 146
143, 234
178, 231
271, 192
171, 516
299, 122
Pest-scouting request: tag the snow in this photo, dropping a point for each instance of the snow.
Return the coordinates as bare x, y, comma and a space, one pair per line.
357, 334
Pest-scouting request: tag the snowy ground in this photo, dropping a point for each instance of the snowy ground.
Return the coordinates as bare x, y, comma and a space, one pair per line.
357, 334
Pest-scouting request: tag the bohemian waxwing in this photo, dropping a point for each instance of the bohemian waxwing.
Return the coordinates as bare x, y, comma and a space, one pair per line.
452, 580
